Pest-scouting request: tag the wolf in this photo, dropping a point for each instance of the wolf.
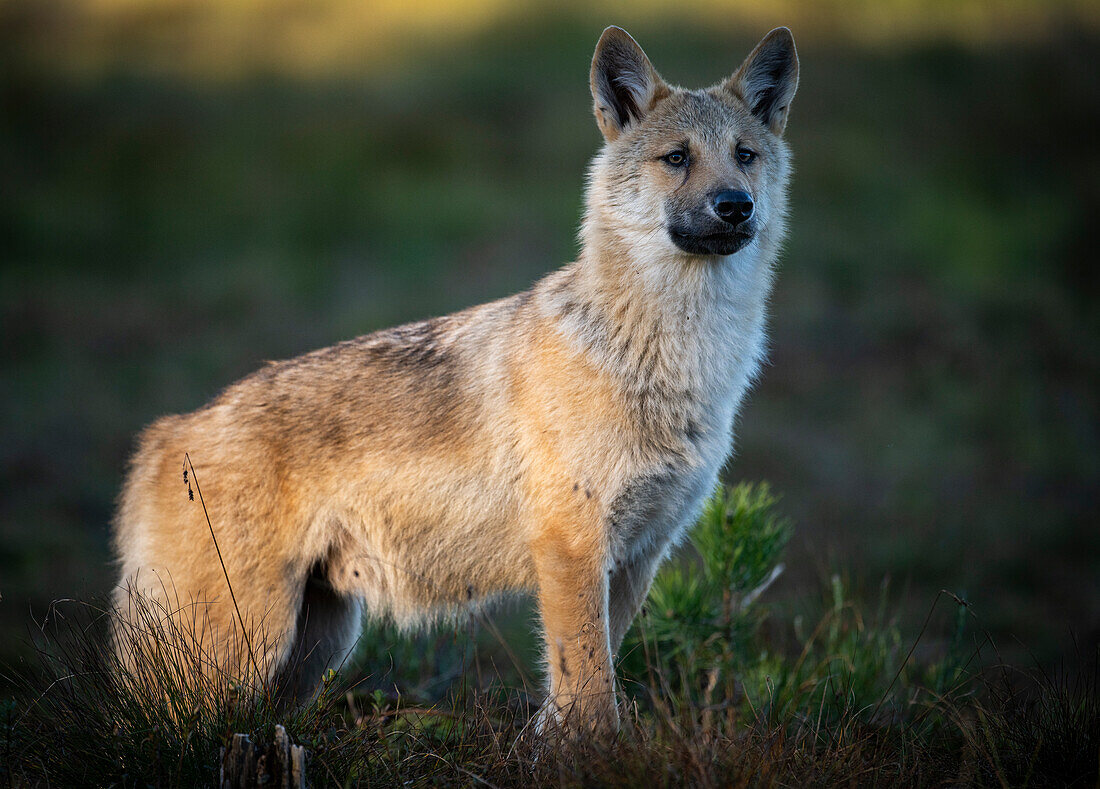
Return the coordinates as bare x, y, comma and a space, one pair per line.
558, 442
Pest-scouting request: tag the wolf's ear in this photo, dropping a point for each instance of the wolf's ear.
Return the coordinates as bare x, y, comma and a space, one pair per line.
768, 78
624, 84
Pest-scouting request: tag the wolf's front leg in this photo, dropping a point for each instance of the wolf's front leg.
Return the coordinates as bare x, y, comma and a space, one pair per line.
629, 585
573, 602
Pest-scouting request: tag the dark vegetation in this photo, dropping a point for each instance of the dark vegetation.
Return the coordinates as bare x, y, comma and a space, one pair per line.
929, 413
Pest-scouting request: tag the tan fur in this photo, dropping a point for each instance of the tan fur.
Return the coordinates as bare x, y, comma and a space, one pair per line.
556, 442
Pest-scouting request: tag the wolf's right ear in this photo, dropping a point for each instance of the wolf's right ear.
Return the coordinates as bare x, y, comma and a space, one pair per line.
768, 78
624, 84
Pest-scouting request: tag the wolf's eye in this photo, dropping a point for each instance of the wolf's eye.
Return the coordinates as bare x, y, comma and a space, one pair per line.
676, 158
744, 155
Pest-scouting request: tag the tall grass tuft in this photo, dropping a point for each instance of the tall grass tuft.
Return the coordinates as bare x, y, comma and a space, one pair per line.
1038, 728
153, 710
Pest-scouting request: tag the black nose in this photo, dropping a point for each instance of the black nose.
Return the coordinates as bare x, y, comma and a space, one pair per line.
733, 206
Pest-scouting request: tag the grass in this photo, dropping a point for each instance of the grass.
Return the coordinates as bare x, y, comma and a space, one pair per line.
711, 700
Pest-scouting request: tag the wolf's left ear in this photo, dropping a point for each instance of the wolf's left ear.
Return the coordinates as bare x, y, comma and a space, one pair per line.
768, 78
624, 84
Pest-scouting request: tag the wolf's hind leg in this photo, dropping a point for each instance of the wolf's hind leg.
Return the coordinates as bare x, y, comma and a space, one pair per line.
328, 626
174, 642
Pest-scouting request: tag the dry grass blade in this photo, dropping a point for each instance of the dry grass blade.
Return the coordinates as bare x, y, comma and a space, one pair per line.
244, 630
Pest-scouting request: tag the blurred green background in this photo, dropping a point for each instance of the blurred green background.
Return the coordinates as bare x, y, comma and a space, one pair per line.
192, 186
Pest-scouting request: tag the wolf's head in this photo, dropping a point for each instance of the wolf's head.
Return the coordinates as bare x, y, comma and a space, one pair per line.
690, 172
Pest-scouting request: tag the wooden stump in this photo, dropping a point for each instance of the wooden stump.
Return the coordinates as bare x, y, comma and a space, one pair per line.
280, 765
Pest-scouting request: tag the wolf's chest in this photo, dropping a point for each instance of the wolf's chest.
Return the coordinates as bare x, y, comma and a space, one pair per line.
655, 507
664, 495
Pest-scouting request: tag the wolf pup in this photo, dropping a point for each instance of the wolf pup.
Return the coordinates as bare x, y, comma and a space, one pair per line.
556, 442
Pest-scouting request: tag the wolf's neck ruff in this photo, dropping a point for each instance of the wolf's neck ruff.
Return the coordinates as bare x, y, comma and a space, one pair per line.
663, 321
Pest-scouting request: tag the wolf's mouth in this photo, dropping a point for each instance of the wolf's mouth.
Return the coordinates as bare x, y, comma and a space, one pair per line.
711, 243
